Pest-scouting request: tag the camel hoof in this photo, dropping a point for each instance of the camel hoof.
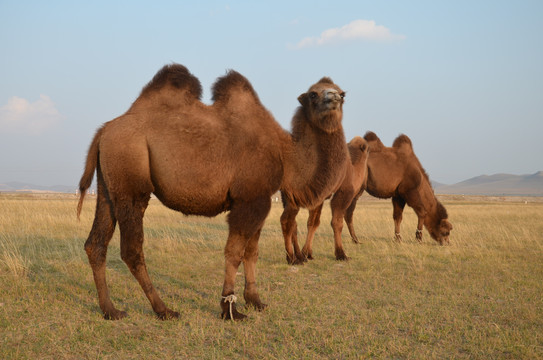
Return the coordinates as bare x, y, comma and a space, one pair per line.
229, 312
294, 261
355, 240
258, 307
342, 256
115, 315
310, 257
168, 315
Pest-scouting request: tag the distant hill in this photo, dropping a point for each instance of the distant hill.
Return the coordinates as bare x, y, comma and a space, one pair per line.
498, 184
25, 187
493, 185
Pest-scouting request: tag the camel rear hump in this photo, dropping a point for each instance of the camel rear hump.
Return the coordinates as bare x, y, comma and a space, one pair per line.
402, 142
228, 88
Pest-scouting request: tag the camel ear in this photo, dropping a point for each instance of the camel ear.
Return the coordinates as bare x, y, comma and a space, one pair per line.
302, 99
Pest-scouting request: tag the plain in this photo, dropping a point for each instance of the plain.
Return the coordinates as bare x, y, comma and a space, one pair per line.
479, 298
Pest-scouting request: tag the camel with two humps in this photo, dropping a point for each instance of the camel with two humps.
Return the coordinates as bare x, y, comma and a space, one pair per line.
204, 159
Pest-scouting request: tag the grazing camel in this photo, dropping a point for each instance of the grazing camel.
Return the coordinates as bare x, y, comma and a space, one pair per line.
395, 172
201, 160
322, 167
355, 177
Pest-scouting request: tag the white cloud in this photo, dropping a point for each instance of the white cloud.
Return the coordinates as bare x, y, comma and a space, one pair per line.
355, 30
21, 116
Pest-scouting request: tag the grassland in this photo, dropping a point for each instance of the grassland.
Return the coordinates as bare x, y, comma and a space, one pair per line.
480, 298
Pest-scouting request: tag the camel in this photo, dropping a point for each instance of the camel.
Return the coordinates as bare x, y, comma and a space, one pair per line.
323, 165
203, 159
355, 177
396, 172
393, 173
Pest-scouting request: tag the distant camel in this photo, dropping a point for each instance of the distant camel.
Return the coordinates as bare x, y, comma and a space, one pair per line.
395, 172
203, 160
391, 173
355, 176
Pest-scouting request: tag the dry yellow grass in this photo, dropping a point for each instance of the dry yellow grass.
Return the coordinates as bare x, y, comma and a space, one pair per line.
479, 298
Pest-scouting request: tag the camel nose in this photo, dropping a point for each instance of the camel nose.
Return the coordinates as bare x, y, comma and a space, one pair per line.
331, 95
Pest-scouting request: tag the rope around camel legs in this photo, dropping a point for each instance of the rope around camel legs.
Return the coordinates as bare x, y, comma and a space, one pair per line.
230, 299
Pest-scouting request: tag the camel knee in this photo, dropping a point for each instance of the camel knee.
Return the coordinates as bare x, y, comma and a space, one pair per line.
132, 255
337, 223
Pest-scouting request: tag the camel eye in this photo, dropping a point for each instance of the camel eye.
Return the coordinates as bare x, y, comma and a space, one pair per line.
342, 95
312, 95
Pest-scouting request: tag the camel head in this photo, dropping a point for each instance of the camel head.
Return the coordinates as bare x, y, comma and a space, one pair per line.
440, 227
441, 232
445, 228
323, 105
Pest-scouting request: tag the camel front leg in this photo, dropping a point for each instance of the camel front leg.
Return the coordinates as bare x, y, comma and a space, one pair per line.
245, 224
249, 264
398, 205
340, 202
289, 228
349, 220
313, 222
418, 233
233, 254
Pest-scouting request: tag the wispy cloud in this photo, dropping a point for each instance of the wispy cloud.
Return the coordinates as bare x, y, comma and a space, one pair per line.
21, 116
355, 30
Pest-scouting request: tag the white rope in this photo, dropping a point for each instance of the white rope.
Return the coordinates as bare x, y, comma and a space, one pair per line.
230, 299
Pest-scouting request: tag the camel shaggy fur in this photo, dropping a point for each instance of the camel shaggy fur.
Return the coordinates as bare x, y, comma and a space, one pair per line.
395, 172
203, 160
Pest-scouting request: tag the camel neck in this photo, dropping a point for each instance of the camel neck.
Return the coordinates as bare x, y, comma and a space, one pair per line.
314, 165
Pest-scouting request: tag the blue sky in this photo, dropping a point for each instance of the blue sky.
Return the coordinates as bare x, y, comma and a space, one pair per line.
463, 79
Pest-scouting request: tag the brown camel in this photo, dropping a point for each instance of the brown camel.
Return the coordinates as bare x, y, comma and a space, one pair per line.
202, 160
322, 168
395, 172
355, 177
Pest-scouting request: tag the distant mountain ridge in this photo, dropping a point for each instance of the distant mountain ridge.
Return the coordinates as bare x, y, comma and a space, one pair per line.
493, 185
498, 184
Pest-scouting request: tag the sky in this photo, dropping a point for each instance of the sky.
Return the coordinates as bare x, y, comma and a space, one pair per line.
463, 79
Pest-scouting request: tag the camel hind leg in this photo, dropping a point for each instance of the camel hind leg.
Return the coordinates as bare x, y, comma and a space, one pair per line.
130, 217
96, 245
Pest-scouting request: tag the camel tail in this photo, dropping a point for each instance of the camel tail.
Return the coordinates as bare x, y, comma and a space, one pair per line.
90, 167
